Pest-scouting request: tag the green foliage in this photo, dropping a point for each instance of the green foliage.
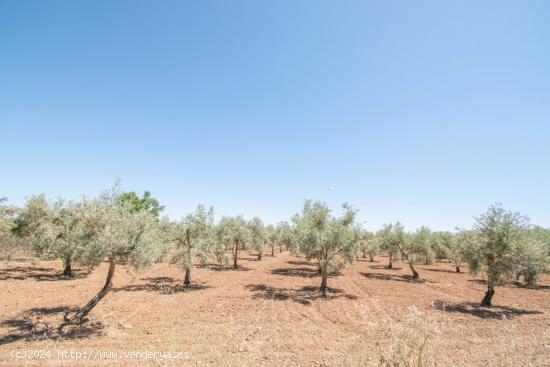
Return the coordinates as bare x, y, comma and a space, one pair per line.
258, 236
390, 237
193, 237
463, 246
272, 237
332, 241
418, 245
373, 247
498, 245
233, 236
147, 202
285, 235
370, 244
533, 254
8, 240
441, 243
499, 233
123, 233
60, 229
32, 223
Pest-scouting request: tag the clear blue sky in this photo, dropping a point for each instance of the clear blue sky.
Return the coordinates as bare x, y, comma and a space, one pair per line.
419, 111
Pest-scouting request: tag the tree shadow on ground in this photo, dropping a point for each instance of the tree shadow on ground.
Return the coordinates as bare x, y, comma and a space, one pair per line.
222, 267
443, 271
478, 281
304, 295
509, 284
535, 287
248, 258
393, 277
301, 262
474, 309
384, 267
163, 285
46, 323
38, 273
366, 260
296, 272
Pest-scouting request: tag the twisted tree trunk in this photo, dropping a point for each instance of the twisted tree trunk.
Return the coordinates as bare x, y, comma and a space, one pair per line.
486, 301
410, 262
81, 314
415, 273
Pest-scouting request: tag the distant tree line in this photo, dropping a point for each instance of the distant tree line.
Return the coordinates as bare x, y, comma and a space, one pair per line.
121, 227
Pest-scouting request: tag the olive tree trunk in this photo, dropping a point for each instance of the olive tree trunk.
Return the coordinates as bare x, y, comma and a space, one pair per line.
416, 276
486, 301
68, 269
235, 254
324, 277
413, 270
81, 313
187, 279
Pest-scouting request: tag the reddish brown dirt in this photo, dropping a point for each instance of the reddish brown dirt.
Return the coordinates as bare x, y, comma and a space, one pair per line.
269, 312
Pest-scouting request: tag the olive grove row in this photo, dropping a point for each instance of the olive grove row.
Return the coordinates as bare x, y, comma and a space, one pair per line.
123, 228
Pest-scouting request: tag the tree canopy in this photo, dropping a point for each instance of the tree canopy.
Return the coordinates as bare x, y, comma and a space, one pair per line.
147, 202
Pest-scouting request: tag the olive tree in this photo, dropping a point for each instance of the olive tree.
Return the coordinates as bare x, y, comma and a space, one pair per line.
59, 228
415, 246
234, 234
32, 223
459, 246
390, 236
272, 237
533, 255
68, 230
122, 233
440, 246
369, 245
496, 249
330, 240
193, 237
7, 225
285, 235
258, 236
